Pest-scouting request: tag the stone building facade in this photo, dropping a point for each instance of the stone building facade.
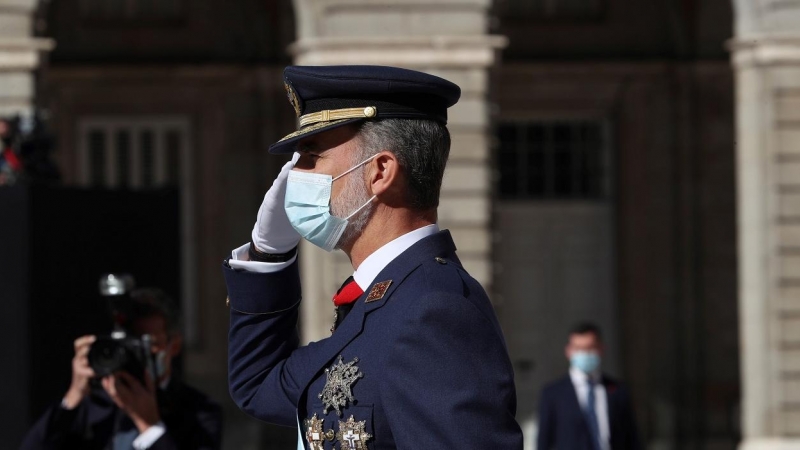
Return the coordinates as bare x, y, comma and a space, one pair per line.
628, 162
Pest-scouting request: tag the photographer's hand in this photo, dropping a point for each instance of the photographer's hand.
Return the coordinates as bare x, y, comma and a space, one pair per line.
136, 400
81, 373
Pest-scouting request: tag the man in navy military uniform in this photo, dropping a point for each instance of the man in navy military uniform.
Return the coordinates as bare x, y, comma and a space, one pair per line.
416, 359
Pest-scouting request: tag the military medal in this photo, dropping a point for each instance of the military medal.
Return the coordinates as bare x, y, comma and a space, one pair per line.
352, 435
314, 434
338, 385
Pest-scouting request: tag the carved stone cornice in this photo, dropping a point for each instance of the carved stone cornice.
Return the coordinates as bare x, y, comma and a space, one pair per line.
765, 50
22, 53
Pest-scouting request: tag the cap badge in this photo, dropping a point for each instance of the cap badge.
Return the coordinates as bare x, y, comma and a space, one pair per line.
378, 291
352, 435
338, 389
294, 100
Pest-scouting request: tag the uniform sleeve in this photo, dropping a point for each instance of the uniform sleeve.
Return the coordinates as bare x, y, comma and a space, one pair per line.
448, 381
262, 336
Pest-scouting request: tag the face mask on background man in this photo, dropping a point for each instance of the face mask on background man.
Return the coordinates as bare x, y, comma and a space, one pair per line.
586, 362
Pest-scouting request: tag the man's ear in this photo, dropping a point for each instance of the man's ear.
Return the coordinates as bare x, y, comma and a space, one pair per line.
384, 174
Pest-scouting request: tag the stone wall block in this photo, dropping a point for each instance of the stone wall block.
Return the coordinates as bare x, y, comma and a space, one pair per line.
18, 5
469, 146
788, 297
788, 140
787, 108
15, 85
789, 205
15, 25
789, 235
393, 21
469, 112
463, 178
791, 428
791, 361
790, 267
789, 173
464, 211
790, 334
471, 81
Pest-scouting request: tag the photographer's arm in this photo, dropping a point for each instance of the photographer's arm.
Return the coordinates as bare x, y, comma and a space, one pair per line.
63, 422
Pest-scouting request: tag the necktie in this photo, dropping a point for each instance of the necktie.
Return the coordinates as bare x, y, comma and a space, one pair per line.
345, 298
591, 416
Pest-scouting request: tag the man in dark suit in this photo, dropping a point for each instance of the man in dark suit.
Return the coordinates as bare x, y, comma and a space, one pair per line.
125, 414
416, 359
586, 409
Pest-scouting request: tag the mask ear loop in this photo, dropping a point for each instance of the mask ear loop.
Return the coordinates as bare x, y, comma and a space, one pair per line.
361, 207
355, 167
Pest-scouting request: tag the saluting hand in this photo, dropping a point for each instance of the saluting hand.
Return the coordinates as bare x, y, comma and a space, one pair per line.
273, 233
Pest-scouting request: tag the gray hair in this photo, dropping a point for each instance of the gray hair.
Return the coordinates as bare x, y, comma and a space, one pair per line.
421, 147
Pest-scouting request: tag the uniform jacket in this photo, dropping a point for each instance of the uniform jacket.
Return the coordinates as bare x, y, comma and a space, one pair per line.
434, 365
192, 421
563, 425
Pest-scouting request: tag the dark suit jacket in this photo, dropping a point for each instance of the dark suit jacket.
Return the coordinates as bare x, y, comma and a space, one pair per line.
192, 421
436, 373
563, 425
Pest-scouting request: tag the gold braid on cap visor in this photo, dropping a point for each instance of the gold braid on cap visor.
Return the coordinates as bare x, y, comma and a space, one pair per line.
337, 114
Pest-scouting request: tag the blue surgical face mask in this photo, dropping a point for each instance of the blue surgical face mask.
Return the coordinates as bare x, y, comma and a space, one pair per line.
586, 362
307, 204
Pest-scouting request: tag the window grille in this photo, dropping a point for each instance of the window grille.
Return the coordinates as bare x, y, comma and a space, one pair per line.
138, 154
146, 153
553, 160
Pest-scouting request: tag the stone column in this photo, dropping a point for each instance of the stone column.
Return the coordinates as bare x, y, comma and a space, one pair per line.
766, 58
447, 38
19, 56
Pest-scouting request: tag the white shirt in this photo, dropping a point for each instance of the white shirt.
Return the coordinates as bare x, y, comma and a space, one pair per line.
580, 381
373, 265
364, 275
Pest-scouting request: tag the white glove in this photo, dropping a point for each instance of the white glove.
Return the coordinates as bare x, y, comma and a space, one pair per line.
272, 232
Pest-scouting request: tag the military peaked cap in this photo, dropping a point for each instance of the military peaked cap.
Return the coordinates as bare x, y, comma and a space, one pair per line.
326, 97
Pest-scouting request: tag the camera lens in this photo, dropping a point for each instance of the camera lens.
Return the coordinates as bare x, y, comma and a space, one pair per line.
107, 356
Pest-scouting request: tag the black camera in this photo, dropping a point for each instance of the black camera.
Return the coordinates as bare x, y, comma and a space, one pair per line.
116, 352
119, 351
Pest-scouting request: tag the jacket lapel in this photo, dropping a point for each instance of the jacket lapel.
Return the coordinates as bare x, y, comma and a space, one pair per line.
439, 244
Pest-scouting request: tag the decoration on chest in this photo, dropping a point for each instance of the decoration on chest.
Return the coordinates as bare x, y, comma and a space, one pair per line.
378, 291
353, 435
338, 389
315, 435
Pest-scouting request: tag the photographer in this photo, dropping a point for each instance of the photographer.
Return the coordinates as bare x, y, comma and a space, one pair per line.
121, 412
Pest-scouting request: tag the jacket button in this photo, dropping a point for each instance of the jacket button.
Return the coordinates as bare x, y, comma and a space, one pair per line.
440, 260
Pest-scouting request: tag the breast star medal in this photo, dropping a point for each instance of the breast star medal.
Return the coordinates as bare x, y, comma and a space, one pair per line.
352, 435
338, 385
314, 434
